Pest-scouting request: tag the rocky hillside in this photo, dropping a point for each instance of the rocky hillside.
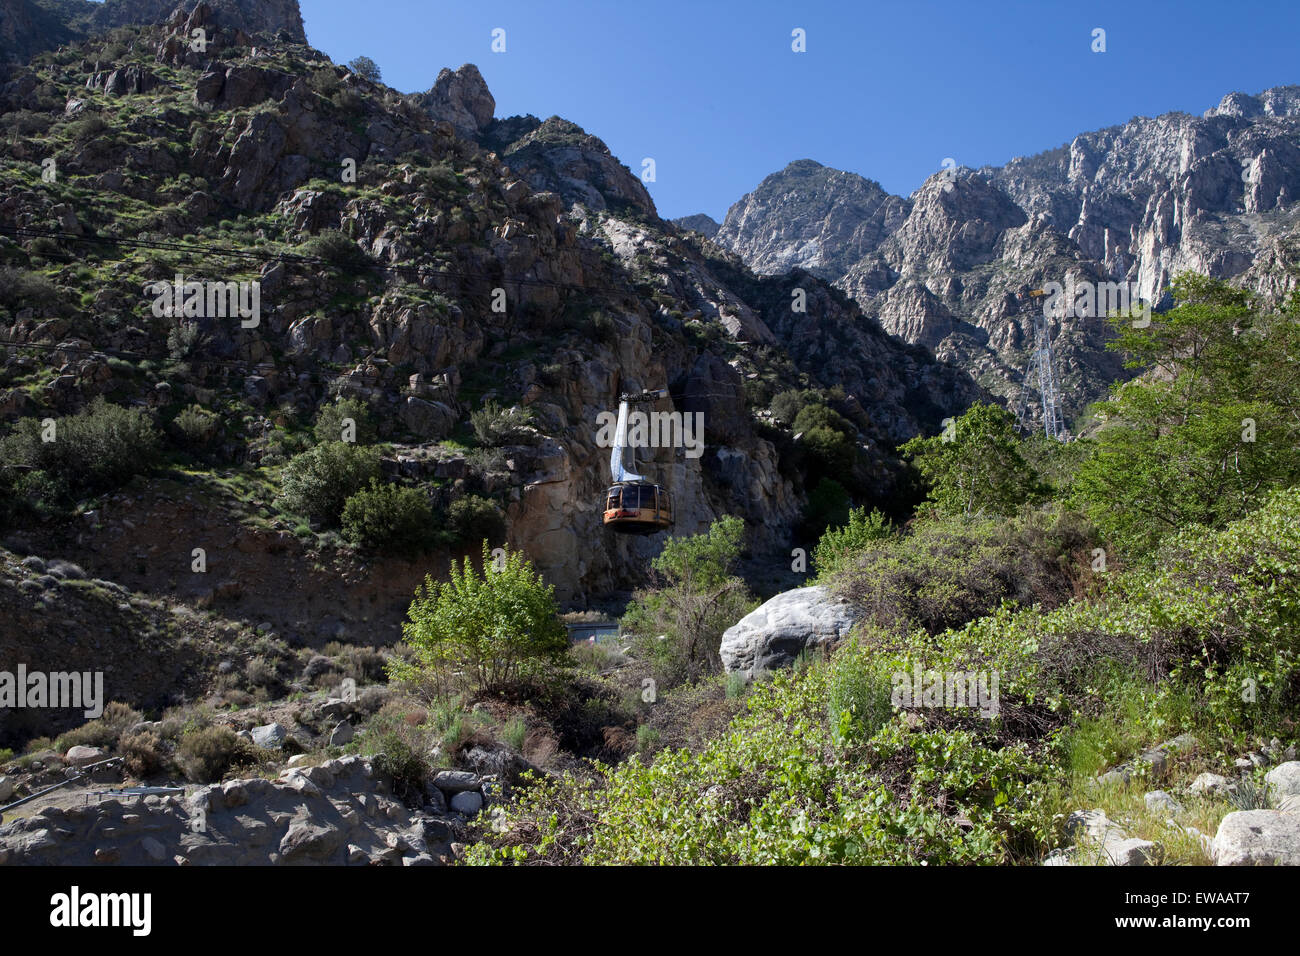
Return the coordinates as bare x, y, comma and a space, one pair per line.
1136, 203
28, 27
380, 227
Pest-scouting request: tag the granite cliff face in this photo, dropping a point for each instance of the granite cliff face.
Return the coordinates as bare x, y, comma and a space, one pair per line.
1136, 204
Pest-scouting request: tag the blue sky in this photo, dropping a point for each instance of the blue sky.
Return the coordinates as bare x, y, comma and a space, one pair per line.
712, 91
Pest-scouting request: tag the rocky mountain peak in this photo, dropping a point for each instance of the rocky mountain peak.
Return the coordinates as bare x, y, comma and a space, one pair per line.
1278, 101
704, 224
812, 217
460, 97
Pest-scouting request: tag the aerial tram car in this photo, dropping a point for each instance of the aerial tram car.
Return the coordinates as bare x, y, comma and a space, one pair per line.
634, 505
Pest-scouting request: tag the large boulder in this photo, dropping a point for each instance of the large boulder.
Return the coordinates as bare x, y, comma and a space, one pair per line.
1284, 780
773, 634
1258, 838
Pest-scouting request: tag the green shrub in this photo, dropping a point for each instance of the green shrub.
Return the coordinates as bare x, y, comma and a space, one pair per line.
185, 341
496, 426
698, 600
390, 518
21, 288
838, 545
143, 754
95, 450
775, 788
489, 629
334, 247
474, 518
104, 731
514, 733
948, 571
398, 759
318, 483
857, 694
787, 405
206, 754
647, 740
197, 426
332, 422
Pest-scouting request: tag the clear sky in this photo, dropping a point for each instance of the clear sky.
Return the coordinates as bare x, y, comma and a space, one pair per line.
713, 92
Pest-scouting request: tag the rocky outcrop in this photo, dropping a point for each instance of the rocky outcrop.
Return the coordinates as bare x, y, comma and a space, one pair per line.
559, 156
774, 633
461, 98
706, 226
340, 812
269, 18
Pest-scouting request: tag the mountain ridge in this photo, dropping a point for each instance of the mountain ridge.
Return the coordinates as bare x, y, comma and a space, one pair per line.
1135, 202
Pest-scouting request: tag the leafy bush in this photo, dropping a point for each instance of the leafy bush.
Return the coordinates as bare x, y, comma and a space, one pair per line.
197, 426
336, 249
976, 468
389, 517
143, 754
331, 422
474, 518
104, 731
952, 570
95, 450
490, 629
207, 753
775, 788
838, 545
21, 288
319, 482
699, 599
497, 426
185, 340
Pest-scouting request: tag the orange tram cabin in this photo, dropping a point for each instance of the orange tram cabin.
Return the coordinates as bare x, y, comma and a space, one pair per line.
638, 507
